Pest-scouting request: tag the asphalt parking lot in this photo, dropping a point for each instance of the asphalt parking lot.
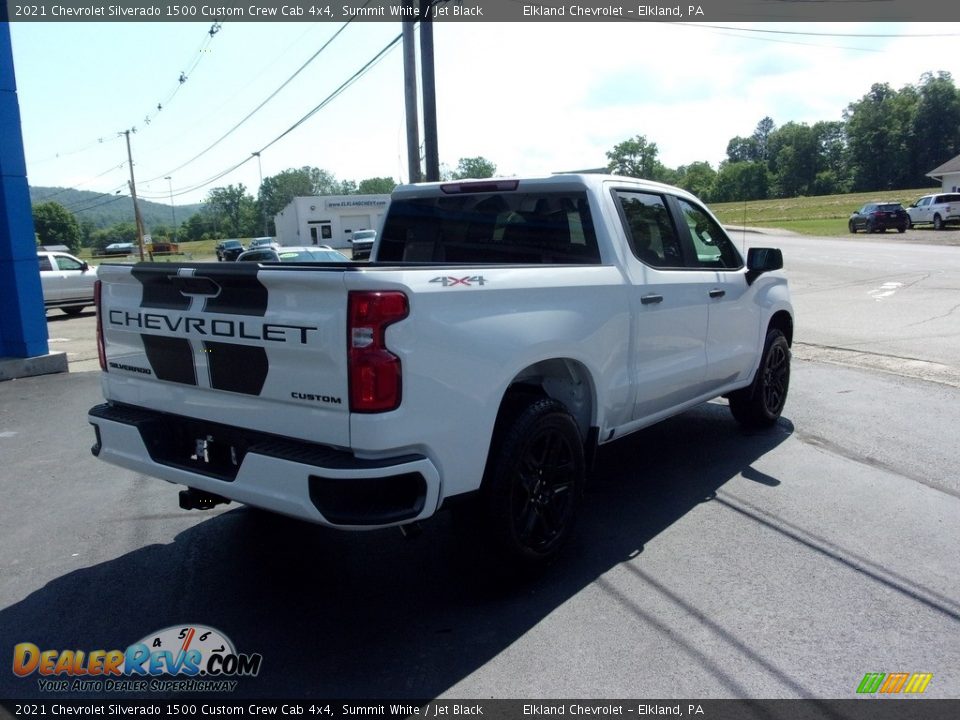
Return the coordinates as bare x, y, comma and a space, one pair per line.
707, 563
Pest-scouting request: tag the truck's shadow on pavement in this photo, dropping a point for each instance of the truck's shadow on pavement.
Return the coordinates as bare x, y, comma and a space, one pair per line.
339, 615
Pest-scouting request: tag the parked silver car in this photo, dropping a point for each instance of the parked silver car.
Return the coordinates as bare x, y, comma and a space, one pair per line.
309, 253
67, 281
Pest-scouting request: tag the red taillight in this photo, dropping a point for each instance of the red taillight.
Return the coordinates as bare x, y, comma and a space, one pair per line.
101, 347
375, 374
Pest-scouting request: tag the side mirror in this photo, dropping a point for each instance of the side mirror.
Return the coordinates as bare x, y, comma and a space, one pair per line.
84, 266
761, 260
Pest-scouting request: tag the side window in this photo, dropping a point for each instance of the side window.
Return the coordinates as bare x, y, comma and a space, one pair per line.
649, 229
45, 263
712, 246
68, 263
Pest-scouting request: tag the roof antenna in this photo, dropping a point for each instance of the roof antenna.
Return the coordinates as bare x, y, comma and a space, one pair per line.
743, 230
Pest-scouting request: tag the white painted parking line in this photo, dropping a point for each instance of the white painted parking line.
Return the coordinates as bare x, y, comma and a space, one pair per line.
885, 290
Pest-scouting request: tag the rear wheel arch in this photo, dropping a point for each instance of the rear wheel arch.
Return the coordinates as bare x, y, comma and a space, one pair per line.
567, 381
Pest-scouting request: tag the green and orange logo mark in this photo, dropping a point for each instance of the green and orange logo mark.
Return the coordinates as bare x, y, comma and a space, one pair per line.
893, 683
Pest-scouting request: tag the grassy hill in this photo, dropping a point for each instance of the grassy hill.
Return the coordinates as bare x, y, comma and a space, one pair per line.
821, 215
104, 210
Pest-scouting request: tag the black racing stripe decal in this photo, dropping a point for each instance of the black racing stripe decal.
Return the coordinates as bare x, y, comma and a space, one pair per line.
237, 368
171, 358
240, 292
158, 291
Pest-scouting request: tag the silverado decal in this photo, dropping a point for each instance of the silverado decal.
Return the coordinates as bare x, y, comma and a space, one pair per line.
130, 368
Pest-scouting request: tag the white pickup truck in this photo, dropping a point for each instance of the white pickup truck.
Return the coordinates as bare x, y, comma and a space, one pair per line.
503, 330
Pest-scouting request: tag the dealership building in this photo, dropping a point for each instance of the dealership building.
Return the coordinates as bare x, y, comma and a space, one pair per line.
329, 219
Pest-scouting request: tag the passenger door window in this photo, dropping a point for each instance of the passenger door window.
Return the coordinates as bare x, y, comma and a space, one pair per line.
712, 248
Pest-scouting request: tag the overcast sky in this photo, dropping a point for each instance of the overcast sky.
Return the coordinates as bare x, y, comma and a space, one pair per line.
532, 97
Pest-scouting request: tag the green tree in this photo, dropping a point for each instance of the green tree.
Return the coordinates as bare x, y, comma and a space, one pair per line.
741, 149
697, 178
878, 129
116, 233
376, 186
761, 137
741, 181
55, 225
198, 226
636, 158
935, 129
833, 174
474, 167
234, 211
279, 190
793, 158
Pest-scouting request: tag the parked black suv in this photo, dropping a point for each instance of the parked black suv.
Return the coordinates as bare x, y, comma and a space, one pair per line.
879, 217
229, 249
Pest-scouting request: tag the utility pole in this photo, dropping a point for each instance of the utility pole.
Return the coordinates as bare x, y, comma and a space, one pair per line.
430, 147
133, 194
173, 212
263, 209
410, 99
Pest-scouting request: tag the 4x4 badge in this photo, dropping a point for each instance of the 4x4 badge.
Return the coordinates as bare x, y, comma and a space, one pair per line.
469, 281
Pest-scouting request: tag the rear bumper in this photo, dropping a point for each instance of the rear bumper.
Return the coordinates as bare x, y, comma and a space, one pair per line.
304, 480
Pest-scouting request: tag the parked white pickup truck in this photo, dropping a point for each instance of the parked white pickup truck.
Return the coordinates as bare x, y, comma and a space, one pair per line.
503, 330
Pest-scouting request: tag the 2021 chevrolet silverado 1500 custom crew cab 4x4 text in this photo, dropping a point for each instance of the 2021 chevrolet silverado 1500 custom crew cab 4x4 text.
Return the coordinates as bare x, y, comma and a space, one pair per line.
502, 331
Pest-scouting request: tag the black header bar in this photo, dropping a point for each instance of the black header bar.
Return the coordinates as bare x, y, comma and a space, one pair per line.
863, 709
705, 11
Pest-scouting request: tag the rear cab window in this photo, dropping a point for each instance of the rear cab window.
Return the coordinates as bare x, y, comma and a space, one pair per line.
502, 227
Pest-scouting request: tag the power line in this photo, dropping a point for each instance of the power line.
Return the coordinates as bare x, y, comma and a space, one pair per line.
808, 33
326, 101
85, 182
184, 75
259, 107
112, 199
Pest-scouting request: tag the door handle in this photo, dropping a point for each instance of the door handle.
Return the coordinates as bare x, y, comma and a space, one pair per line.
717, 293
651, 299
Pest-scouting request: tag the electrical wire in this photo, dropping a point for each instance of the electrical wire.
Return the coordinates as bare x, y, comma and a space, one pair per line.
369, 65
259, 107
808, 33
195, 61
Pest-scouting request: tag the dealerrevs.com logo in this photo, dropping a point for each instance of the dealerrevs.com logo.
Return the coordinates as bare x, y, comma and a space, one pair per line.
182, 658
894, 683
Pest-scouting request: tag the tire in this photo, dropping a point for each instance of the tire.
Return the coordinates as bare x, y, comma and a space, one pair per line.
909, 223
851, 227
937, 222
760, 404
533, 483
902, 229
73, 309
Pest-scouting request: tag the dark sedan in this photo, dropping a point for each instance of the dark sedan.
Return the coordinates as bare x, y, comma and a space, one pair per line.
879, 217
229, 249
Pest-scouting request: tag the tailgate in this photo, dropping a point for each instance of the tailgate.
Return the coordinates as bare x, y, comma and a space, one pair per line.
256, 347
